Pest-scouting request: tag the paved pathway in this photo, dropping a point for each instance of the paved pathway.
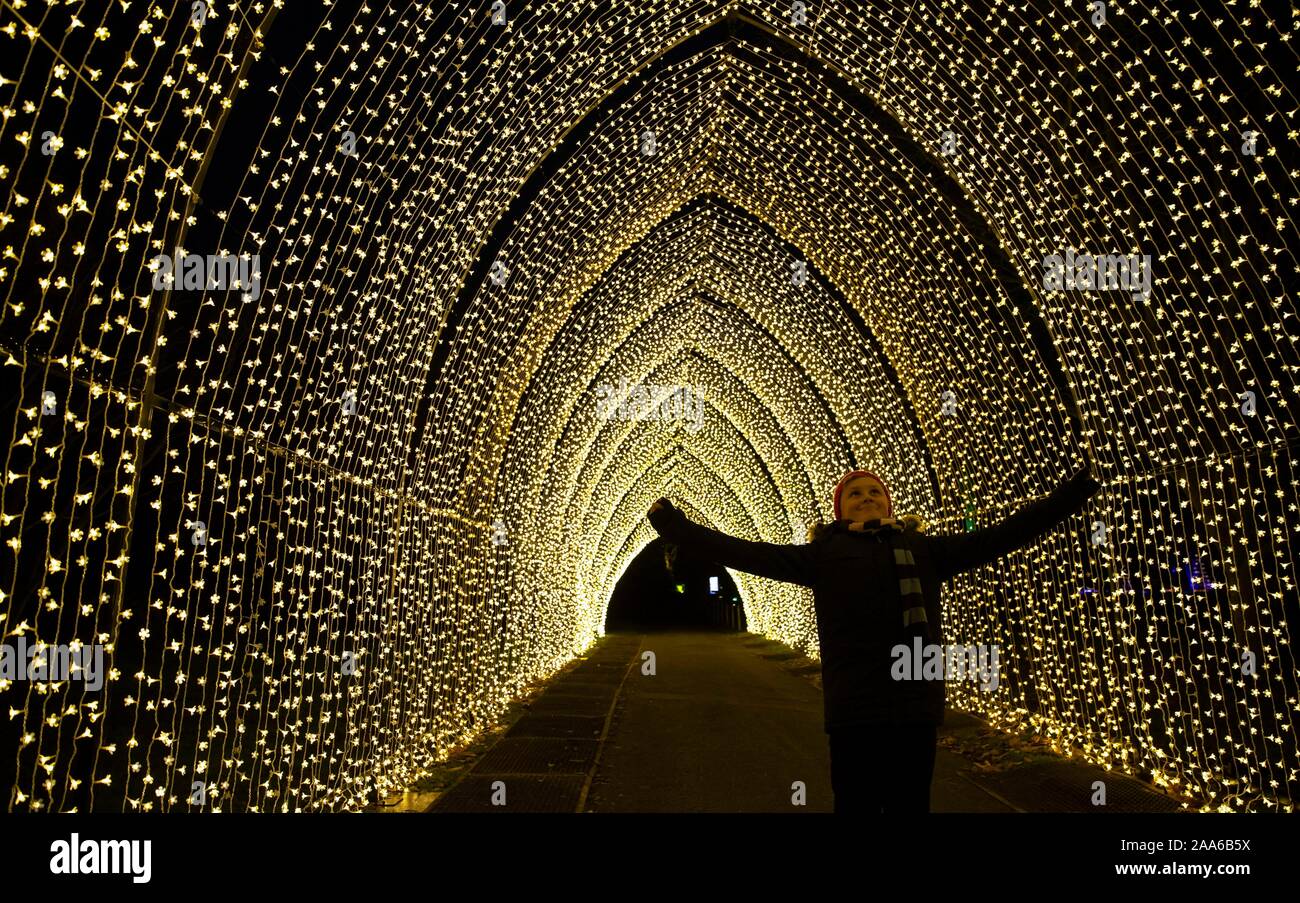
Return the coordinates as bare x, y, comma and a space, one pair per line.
720, 726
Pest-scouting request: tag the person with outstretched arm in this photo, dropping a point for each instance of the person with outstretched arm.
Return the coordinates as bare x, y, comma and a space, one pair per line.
876, 582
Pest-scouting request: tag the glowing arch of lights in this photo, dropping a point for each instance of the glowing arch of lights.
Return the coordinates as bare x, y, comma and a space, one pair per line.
349, 439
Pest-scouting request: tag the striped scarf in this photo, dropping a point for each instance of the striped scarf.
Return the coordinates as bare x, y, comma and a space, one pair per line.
915, 623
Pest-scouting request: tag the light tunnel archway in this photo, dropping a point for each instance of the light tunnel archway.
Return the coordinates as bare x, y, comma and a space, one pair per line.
327, 531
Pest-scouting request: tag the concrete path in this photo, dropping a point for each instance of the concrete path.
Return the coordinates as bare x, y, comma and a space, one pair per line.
724, 724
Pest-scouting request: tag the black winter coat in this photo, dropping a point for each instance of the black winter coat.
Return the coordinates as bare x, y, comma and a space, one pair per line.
856, 596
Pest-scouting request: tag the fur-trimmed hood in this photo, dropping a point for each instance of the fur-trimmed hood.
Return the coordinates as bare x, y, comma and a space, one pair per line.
820, 531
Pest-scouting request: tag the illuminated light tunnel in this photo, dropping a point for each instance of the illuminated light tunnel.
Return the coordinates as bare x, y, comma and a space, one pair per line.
310, 313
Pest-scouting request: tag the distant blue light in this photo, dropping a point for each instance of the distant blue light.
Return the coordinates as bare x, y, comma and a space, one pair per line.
1195, 579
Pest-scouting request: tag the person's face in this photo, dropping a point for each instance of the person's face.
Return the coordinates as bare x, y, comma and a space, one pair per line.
863, 499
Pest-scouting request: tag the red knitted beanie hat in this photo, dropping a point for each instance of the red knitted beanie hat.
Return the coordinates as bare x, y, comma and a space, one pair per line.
852, 475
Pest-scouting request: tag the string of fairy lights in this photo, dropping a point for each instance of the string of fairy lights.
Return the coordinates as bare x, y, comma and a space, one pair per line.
328, 516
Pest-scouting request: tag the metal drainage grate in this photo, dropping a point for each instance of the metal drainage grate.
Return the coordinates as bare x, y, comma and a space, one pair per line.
590, 666
582, 727
616, 657
567, 687
537, 755
571, 705
524, 793
580, 696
